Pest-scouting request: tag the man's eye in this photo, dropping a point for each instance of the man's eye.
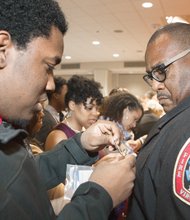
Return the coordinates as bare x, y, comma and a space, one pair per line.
160, 70
150, 76
51, 68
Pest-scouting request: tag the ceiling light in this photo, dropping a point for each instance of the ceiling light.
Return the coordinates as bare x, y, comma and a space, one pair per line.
118, 31
96, 42
115, 55
67, 57
171, 19
147, 5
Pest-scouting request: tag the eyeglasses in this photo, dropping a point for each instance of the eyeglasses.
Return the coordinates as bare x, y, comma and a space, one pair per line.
158, 73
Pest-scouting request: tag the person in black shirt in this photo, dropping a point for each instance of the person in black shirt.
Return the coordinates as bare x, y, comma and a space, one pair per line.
162, 184
31, 45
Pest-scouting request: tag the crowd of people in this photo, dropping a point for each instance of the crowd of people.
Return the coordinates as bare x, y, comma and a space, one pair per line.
31, 45
138, 147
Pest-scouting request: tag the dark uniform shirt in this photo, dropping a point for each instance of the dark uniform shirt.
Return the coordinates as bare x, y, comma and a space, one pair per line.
162, 186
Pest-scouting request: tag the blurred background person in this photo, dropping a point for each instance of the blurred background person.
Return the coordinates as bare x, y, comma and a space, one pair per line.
33, 127
106, 99
116, 90
152, 112
82, 102
53, 111
126, 110
149, 118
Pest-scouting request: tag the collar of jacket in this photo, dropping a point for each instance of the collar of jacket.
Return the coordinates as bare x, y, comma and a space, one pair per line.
168, 117
8, 133
146, 151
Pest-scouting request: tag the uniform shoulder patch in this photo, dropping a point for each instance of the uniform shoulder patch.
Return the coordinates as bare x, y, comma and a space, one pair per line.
181, 174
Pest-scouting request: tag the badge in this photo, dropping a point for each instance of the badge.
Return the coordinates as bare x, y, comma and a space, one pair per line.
181, 175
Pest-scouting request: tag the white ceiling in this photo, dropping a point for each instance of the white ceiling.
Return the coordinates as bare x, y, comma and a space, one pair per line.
97, 19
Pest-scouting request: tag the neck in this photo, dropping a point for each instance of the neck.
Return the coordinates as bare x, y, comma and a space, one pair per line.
73, 127
55, 106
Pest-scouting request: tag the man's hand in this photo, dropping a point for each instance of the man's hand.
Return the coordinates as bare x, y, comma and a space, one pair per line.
116, 177
100, 134
135, 144
111, 157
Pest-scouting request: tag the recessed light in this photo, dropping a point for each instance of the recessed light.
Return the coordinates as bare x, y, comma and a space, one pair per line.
174, 19
118, 31
147, 5
115, 55
95, 42
67, 57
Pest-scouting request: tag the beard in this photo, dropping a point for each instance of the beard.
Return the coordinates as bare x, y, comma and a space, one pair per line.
20, 123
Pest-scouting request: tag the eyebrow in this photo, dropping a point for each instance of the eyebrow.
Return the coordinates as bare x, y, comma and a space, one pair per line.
155, 66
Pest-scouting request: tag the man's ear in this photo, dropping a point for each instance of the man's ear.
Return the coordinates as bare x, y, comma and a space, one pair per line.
5, 40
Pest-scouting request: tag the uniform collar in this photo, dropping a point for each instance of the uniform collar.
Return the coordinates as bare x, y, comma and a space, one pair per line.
147, 148
8, 133
169, 116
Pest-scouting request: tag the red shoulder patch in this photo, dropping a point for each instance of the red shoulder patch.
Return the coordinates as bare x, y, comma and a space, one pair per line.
181, 174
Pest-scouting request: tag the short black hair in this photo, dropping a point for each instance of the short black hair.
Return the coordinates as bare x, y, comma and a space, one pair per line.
59, 83
179, 32
28, 19
81, 88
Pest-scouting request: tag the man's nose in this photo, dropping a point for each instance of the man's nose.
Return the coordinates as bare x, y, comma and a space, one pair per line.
50, 84
157, 85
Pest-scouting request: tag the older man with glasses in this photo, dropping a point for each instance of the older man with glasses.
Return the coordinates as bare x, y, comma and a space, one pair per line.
158, 72
162, 188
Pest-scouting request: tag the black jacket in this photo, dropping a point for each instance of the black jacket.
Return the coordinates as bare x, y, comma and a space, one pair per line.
25, 179
146, 123
162, 186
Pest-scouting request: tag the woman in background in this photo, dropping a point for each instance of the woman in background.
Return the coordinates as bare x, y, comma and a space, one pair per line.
82, 101
125, 109
33, 127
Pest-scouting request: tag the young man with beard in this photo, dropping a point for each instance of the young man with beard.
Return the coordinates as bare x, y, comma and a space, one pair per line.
31, 45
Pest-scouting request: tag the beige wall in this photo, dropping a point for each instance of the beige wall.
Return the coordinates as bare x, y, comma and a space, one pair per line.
111, 75
133, 82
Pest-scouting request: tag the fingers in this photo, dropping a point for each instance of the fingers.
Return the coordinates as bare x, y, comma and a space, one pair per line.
116, 177
110, 158
100, 134
111, 130
105, 128
131, 159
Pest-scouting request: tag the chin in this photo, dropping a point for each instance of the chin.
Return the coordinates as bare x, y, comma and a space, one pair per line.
167, 108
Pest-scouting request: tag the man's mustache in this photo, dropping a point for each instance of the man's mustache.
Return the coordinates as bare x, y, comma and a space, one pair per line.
163, 95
